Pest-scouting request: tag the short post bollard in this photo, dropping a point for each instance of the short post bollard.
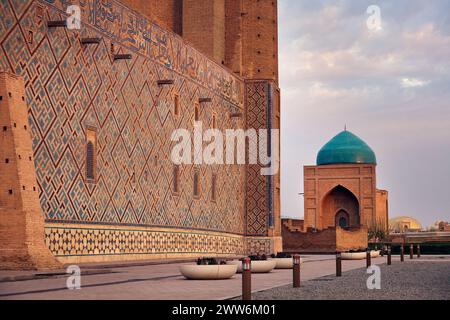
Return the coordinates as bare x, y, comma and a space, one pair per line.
418, 251
402, 253
338, 264
368, 258
389, 260
246, 279
296, 271
411, 251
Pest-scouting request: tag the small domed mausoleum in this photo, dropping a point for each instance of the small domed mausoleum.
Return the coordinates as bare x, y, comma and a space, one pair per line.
341, 199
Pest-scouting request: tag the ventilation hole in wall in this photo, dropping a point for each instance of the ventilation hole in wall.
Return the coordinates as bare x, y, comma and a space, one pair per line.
259, 70
34, 188
23, 98
10, 191
259, 18
6, 160
259, 52
23, 187
29, 158
20, 157
1, 98
15, 125
259, 35
25, 127
5, 128
9, 94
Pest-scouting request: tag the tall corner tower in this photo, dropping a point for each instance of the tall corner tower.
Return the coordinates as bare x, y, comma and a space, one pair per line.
259, 68
260, 39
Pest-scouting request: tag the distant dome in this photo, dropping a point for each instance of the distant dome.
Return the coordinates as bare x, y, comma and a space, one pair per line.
402, 224
346, 148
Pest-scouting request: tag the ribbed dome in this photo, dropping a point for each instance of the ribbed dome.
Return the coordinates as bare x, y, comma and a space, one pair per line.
346, 148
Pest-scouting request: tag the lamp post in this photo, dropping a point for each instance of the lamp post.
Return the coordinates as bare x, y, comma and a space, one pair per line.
246, 279
296, 271
368, 258
338, 264
389, 260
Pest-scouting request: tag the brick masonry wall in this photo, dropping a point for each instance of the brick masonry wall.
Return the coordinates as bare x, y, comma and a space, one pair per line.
165, 13
319, 181
233, 35
259, 39
204, 27
382, 208
353, 239
324, 241
70, 87
21, 220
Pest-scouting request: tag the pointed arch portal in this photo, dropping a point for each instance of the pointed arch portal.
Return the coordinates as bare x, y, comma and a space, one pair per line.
340, 207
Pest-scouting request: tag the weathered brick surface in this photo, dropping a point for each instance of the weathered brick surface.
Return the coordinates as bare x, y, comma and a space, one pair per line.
326, 241
382, 209
21, 221
260, 39
204, 27
166, 13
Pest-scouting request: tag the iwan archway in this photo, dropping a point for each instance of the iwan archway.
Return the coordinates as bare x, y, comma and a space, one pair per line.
340, 207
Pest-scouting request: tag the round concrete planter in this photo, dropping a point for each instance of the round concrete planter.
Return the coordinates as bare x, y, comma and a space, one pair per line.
257, 266
285, 263
375, 253
208, 272
353, 255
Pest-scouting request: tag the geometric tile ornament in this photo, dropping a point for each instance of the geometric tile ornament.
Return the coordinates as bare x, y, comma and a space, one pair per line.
71, 87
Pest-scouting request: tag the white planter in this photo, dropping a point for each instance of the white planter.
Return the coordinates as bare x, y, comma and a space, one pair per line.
353, 255
285, 263
257, 266
208, 272
375, 253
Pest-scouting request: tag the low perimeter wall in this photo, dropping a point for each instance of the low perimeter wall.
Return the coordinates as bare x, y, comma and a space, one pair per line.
324, 241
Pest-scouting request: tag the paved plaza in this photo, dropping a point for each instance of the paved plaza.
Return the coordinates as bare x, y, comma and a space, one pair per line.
164, 282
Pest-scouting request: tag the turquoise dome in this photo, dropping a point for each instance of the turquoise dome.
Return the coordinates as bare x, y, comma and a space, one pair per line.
346, 148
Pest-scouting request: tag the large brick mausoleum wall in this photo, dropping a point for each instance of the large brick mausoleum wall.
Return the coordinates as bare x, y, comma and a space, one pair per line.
77, 92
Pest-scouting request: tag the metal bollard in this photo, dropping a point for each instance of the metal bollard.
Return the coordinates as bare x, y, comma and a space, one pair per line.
418, 251
338, 264
411, 251
296, 271
389, 260
402, 253
246, 279
368, 258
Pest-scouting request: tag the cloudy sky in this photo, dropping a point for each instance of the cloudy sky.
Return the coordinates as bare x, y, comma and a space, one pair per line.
389, 85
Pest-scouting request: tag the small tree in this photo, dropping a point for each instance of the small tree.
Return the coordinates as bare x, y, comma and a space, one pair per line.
377, 231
